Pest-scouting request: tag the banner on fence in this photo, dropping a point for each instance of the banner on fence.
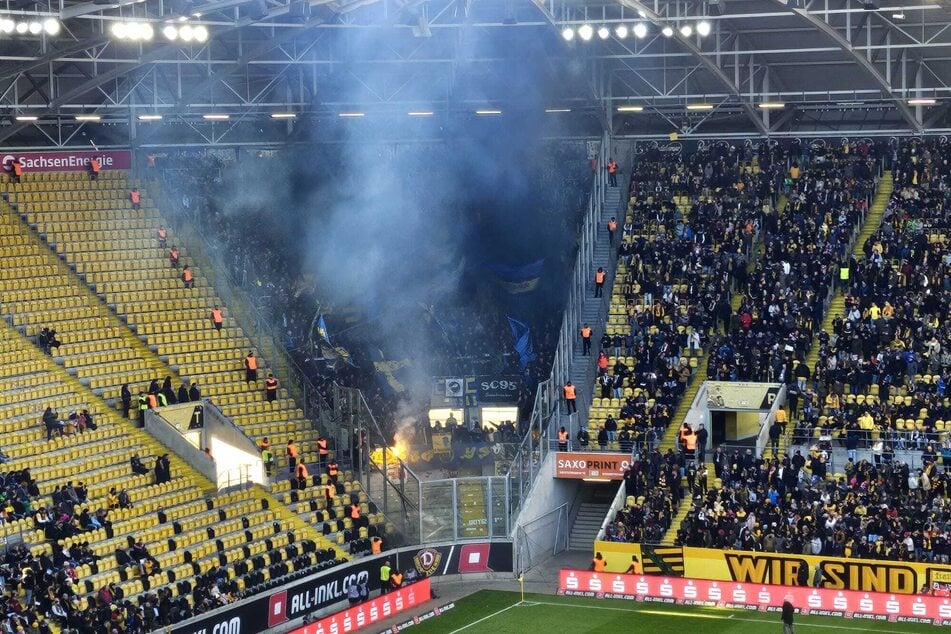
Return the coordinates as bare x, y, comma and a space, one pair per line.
838, 573
320, 591
373, 611
759, 597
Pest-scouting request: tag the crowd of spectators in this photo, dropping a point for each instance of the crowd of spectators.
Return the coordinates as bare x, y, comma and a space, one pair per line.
795, 505
653, 486
469, 333
882, 373
804, 243
879, 384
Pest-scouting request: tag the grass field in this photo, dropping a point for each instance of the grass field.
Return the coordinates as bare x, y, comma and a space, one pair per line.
493, 612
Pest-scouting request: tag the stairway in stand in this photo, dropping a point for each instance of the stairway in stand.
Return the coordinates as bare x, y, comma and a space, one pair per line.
671, 535
837, 304
587, 524
582, 368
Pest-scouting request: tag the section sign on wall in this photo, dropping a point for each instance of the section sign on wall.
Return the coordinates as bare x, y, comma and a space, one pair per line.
67, 160
591, 466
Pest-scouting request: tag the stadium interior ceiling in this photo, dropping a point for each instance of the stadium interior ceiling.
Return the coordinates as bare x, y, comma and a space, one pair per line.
777, 67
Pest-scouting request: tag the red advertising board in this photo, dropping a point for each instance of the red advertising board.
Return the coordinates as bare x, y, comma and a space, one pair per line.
878, 606
591, 466
370, 612
68, 160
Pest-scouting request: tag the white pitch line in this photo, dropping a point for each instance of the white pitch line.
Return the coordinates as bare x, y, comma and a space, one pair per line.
702, 616
486, 618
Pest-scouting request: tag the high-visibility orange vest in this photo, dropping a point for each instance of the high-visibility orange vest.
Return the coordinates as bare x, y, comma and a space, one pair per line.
599, 277
599, 564
250, 362
152, 401
376, 545
612, 167
397, 579
173, 254
94, 165
216, 315
135, 200
187, 275
333, 469
162, 233
292, 450
586, 332
322, 446
17, 168
302, 471
612, 225
562, 436
354, 512
270, 384
569, 392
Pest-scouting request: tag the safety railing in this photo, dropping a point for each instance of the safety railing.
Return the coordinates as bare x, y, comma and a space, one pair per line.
541, 538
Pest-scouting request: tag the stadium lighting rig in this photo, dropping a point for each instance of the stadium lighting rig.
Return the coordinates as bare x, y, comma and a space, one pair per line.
585, 31
9, 26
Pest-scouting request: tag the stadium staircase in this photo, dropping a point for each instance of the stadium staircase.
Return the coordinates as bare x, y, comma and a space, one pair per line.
587, 524
670, 537
583, 368
836, 305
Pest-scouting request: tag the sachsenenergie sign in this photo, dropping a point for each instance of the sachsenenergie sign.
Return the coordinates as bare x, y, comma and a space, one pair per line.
68, 160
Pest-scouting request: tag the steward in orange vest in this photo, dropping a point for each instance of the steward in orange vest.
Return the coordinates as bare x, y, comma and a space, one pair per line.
599, 276
17, 170
612, 173
612, 227
216, 318
94, 169
562, 439
322, 450
250, 368
187, 278
569, 391
333, 470
173, 256
585, 339
135, 197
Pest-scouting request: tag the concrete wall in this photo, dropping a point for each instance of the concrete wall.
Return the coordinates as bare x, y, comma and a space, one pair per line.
548, 492
166, 434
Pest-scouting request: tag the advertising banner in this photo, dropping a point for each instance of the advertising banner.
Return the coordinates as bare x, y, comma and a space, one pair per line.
759, 597
68, 160
365, 614
593, 465
838, 573
502, 390
736, 395
320, 591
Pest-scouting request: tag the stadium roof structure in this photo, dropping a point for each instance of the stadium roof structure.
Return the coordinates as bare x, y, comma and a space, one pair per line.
646, 67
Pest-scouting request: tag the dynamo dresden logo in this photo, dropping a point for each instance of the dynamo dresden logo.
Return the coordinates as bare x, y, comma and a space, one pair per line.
427, 561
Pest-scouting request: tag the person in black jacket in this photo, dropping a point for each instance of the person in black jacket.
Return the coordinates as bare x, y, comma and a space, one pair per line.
788, 612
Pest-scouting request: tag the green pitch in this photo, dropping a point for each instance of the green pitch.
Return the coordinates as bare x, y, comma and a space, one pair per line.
492, 612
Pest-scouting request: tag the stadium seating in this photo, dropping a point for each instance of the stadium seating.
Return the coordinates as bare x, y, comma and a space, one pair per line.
877, 388
197, 539
186, 529
94, 227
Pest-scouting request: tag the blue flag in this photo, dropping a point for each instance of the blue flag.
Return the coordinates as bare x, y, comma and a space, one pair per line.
518, 279
523, 343
321, 329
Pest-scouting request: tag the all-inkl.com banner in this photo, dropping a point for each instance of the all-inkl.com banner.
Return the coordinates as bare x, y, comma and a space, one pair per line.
274, 608
67, 160
876, 606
